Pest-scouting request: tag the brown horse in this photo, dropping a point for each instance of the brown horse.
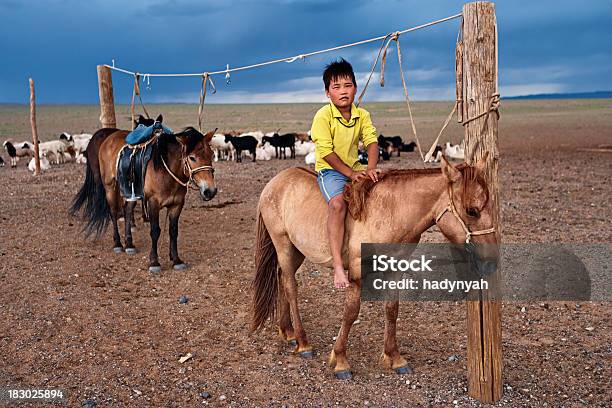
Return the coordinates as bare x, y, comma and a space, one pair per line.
398, 209
178, 161
87, 191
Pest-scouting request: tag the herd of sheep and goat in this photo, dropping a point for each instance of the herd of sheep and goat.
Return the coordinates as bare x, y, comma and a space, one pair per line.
232, 146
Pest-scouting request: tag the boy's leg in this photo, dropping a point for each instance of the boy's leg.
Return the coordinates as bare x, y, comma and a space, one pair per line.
332, 183
336, 212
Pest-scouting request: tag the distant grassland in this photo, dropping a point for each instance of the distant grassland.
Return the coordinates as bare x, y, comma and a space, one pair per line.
575, 122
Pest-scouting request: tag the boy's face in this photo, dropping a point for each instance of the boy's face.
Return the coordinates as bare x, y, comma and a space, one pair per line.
341, 91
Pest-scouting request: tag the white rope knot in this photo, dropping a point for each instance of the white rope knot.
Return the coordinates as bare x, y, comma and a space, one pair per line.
228, 79
297, 57
395, 36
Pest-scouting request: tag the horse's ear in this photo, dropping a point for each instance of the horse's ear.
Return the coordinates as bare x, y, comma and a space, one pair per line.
482, 163
182, 139
452, 174
208, 137
160, 118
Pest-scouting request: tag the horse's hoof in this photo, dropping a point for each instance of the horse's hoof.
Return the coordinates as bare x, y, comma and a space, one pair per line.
155, 269
130, 251
403, 370
117, 250
292, 343
307, 354
344, 375
180, 267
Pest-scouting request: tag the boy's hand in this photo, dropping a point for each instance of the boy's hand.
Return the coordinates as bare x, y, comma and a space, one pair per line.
357, 175
373, 174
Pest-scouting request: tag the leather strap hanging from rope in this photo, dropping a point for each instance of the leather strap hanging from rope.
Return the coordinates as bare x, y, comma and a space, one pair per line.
136, 91
383, 47
206, 83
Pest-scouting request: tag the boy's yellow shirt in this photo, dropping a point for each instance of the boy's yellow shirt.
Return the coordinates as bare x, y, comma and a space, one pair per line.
332, 133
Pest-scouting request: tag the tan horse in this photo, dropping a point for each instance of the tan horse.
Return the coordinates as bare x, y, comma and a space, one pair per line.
178, 161
399, 208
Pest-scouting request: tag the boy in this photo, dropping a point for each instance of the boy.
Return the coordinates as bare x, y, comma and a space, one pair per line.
336, 131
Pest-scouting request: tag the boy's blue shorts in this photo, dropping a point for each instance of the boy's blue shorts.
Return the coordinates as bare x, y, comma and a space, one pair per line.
331, 182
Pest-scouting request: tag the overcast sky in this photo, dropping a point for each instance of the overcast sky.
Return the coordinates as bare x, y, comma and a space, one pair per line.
545, 46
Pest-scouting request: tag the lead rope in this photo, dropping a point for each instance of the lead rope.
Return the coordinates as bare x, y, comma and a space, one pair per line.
173, 175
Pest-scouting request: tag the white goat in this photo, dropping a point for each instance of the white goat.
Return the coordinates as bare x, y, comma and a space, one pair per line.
263, 154
310, 158
44, 164
303, 148
81, 141
454, 152
221, 149
54, 150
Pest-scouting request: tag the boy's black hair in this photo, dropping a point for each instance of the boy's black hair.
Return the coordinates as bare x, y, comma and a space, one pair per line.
338, 69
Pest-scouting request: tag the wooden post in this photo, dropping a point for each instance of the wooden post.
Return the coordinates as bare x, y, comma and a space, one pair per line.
484, 354
34, 130
107, 101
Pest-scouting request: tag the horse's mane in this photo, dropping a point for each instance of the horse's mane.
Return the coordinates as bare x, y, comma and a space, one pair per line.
357, 193
165, 140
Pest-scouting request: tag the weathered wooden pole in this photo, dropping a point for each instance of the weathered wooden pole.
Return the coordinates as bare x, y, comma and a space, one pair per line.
480, 101
34, 129
107, 101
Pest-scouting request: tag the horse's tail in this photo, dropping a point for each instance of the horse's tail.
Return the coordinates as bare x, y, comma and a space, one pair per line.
265, 285
82, 197
91, 198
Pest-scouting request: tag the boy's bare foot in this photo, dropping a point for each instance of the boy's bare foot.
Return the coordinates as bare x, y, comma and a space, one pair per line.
340, 278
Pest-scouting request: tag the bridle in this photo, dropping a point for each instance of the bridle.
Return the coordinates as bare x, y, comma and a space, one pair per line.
188, 171
451, 208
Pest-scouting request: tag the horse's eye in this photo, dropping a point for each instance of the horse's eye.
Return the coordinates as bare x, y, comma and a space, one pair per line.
472, 212
192, 158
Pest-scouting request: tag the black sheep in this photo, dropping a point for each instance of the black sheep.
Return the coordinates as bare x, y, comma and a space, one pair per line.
282, 142
241, 143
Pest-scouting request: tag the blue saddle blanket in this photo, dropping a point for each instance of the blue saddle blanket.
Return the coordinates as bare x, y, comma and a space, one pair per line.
143, 133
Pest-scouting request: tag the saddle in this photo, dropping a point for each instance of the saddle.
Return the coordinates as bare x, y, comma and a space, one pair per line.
132, 164
133, 159
143, 133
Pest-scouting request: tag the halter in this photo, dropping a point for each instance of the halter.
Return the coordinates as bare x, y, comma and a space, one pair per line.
451, 208
187, 170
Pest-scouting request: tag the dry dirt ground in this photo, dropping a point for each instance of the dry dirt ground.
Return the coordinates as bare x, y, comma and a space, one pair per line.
78, 317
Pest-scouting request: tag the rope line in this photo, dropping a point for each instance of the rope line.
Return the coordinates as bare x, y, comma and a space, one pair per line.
227, 71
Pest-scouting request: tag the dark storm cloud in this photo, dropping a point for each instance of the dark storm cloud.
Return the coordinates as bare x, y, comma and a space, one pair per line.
546, 46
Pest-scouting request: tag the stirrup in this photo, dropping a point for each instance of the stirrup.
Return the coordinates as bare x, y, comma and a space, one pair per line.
133, 197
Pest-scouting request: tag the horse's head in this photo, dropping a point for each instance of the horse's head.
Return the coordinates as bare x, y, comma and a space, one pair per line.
198, 157
468, 216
